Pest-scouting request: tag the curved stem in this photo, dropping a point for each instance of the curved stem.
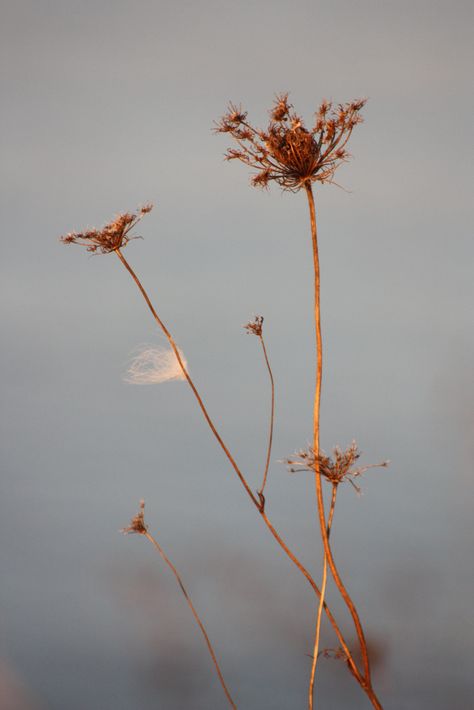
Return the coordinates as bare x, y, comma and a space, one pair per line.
317, 400
257, 503
187, 376
195, 614
320, 606
272, 417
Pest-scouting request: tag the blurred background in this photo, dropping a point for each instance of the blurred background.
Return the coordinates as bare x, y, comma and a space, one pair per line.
109, 104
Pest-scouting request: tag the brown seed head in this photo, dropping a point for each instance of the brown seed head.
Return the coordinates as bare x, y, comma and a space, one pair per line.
335, 469
112, 236
137, 524
287, 152
255, 327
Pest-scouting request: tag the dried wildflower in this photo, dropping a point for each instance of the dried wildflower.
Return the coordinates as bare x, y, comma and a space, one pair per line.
137, 524
335, 469
113, 236
255, 327
152, 366
287, 152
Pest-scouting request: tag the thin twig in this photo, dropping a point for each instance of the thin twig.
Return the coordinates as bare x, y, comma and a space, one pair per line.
272, 417
195, 614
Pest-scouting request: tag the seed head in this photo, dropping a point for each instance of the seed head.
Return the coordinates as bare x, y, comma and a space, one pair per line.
255, 327
112, 236
287, 152
335, 469
137, 524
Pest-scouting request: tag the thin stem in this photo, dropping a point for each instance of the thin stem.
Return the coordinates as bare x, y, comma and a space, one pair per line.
317, 400
321, 602
195, 614
258, 505
305, 573
272, 417
187, 376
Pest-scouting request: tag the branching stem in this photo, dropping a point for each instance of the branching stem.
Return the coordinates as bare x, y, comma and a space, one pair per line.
239, 473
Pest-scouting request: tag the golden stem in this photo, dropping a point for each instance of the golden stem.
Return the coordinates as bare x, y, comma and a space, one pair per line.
320, 606
257, 503
317, 400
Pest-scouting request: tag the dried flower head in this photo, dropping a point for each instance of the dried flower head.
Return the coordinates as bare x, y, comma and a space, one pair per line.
287, 152
152, 366
255, 327
113, 236
335, 469
137, 524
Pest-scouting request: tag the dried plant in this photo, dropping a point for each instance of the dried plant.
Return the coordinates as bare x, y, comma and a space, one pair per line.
287, 153
139, 527
335, 469
293, 157
114, 236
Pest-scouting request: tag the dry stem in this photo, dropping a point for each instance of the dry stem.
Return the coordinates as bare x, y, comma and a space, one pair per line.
320, 606
272, 418
138, 526
260, 507
367, 685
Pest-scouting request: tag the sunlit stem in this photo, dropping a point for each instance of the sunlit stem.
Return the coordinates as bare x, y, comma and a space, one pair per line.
316, 413
317, 633
239, 473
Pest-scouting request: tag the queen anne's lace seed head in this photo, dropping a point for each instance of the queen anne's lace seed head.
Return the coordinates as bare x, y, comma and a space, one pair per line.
112, 236
287, 152
336, 468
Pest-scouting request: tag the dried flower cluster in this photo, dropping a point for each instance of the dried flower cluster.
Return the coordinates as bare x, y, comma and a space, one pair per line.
113, 236
335, 469
137, 524
286, 151
255, 327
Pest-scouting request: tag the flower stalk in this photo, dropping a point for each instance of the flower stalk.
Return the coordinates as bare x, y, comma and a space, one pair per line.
139, 527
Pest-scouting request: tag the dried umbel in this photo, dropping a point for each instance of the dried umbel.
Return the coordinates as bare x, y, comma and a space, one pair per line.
335, 469
113, 236
137, 524
287, 152
255, 326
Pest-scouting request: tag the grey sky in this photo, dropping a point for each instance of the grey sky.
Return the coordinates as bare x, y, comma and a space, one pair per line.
106, 105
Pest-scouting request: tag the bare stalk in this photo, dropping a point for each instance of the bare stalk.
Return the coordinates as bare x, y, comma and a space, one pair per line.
319, 492
194, 613
272, 417
320, 606
188, 378
259, 505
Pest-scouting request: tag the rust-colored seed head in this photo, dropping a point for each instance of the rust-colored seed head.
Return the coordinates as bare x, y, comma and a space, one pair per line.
335, 469
137, 524
287, 152
113, 236
255, 327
